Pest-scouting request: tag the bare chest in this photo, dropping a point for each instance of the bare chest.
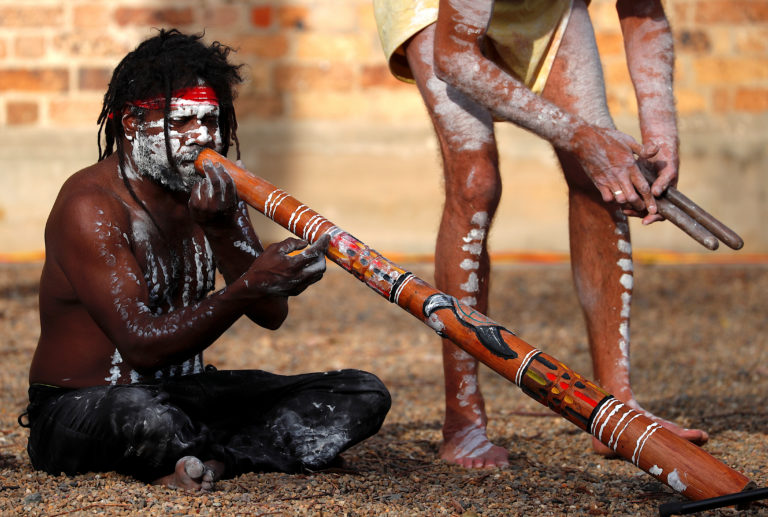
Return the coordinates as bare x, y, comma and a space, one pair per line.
178, 269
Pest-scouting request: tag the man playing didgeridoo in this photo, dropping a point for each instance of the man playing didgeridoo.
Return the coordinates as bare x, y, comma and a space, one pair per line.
535, 63
128, 303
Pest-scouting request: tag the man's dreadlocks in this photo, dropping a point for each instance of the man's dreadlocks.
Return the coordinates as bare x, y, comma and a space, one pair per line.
158, 67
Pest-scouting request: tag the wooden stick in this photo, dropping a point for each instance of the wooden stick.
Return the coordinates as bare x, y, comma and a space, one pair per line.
721, 231
690, 217
631, 434
686, 223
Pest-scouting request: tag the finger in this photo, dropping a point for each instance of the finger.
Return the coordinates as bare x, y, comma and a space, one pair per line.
633, 144
319, 247
645, 200
291, 244
196, 196
652, 218
607, 195
663, 181
650, 150
208, 168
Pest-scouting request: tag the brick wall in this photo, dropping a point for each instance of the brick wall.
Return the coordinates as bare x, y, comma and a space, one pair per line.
312, 59
317, 64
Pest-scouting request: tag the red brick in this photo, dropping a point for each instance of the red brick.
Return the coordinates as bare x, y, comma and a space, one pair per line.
261, 16
32, 16
379, 76
722, 100
610, 43
154, 17
753, 100
752, 40
294, 17
296, 78
19, 113
259, 106
690, 101
679, 13
696, 41
30, 47
94, 78
90, 45
731, 11
731, 71
90, 16
74, 112
266, 46
34, 80
222, 16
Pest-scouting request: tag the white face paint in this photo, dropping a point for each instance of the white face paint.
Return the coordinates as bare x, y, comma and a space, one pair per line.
192, 125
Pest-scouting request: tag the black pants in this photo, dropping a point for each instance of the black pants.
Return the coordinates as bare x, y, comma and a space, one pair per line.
250, 420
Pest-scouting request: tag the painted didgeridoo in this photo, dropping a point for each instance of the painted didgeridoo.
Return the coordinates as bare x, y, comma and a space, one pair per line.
672, 460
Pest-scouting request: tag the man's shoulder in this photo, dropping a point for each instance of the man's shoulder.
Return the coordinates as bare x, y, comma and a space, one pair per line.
90, 192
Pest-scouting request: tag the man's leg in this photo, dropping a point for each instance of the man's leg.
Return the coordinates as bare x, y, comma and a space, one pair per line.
261, 421
601, 252
127, 429
472, 192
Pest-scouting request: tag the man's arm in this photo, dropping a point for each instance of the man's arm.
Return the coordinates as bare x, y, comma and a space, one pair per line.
650, 54
606, 154
88, 241
214, 206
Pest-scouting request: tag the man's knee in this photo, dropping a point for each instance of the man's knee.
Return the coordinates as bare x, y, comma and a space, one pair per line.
370, 390
152, 429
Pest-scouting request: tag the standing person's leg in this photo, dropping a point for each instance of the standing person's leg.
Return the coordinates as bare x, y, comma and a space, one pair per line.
472, 191
601, 252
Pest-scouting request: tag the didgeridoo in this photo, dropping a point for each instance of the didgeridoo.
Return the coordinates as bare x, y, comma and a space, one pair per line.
672, 460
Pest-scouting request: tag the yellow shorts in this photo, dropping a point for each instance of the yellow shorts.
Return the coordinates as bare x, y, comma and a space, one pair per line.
525, 34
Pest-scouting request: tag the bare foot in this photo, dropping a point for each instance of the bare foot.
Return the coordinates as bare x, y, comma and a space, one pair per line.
471, 448
695, 436
192, 474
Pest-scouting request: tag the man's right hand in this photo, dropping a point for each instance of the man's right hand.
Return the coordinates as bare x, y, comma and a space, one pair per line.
278, 272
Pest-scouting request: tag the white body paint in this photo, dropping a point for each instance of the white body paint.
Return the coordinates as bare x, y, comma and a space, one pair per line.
149, 152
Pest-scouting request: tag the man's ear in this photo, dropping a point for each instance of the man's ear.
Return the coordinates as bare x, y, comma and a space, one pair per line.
130, 122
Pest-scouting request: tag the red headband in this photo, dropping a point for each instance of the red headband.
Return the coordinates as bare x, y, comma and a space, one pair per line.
191, 93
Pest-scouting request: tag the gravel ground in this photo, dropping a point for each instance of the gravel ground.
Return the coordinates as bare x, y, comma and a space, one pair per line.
700, 357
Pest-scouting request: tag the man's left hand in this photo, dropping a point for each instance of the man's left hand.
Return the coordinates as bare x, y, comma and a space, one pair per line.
213, 200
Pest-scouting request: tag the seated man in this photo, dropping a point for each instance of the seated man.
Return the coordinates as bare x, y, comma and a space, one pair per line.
127, 300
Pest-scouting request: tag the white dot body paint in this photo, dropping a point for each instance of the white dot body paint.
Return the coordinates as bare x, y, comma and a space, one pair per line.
472, 285
115, 369
624, 246
473, 245
626, 281
655, 470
